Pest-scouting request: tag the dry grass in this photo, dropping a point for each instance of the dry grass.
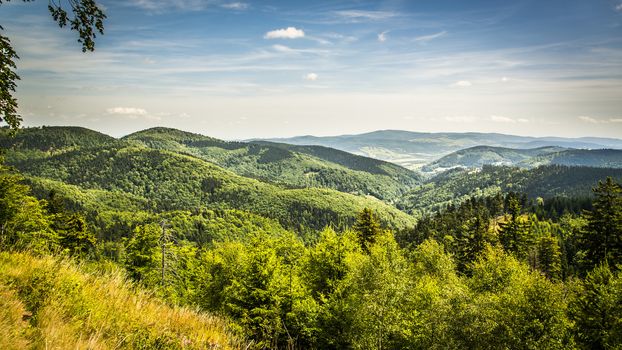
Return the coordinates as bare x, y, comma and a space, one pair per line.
50, 304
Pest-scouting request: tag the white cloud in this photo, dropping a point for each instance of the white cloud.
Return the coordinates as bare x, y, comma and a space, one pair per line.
127, 111
426, 38
311, 77
599, 121
382, 37
133, 113
235, 6
501, 119
162, 5
522, 120
286, 33
619, 8
589, 119
366, 15
462, 83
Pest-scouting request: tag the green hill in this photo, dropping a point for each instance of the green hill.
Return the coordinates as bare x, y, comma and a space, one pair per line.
455, 186
598, 158
172, 181
291, 166
47, 303
53, 138
476, 157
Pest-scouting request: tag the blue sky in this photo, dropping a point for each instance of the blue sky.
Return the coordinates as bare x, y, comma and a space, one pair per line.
242, 69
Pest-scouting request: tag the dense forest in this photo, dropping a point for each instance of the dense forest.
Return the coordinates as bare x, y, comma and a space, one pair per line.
167, 227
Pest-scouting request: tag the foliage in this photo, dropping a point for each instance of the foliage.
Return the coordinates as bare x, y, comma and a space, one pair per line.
602, 238
85, 17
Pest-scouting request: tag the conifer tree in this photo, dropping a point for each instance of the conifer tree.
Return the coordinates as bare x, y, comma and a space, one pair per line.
601, 241
549, 257
514, 234
367, 226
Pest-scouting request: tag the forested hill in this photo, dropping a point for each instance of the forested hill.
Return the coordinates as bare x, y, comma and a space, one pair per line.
53, 138
476, 157
169, 180
549, 181
291, 166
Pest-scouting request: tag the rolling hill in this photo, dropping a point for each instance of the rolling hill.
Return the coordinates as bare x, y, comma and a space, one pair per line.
415, 149
455, 186
476, 157
164, 180
291, 166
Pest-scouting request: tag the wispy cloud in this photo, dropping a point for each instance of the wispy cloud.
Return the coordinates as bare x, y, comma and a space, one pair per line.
127, 111
619, 7
462, 83
235, 6
163, 5
132, 113
286, 33
588, 119
426, 38
357, 15
593, 120
502, 119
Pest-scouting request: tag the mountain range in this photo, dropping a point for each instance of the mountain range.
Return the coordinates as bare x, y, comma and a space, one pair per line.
413, 150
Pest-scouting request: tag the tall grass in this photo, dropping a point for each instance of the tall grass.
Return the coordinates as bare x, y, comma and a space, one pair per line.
46, 303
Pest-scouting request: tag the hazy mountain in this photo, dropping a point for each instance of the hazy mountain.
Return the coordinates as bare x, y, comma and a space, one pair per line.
414, 149
476, 157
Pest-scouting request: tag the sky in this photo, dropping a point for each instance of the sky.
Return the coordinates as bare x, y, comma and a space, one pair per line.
258, 69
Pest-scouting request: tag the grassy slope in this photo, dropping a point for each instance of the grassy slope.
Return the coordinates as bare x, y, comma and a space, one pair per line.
50, 304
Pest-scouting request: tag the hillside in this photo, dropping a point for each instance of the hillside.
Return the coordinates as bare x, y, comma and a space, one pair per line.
53, 138
599, 158
291, 166
415, 149
476, 157
457, 185
46, 303
171, 181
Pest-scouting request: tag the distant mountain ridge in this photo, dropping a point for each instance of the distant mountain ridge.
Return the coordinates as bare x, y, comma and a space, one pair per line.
415, 149
476, 157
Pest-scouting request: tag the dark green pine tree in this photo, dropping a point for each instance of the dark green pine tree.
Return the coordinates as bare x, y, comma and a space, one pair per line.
549, 257
470, 241
367, 226
601, 241
514, 234
74, 234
